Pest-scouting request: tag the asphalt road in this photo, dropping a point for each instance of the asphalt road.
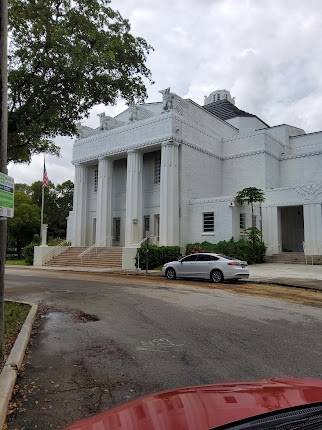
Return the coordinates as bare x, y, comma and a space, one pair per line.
149, 336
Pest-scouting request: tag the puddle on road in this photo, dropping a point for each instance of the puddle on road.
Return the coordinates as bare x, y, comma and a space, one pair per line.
58, 319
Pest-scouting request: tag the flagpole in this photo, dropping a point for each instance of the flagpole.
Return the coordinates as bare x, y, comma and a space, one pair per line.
42, 211
42, 204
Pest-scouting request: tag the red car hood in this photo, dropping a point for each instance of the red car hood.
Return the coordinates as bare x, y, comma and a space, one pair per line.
205, 407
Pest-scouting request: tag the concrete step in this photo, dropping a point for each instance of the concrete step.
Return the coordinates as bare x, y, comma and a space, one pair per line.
96, 257
293, 258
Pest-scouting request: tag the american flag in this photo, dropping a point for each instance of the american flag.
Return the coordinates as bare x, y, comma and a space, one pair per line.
45, 180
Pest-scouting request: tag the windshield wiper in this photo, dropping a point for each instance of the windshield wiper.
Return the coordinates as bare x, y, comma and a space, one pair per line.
299, 418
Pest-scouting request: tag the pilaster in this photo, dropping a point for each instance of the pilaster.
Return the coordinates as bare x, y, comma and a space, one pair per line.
169, 195
104, 203
134, 200
272, 229
312, 228
80, 205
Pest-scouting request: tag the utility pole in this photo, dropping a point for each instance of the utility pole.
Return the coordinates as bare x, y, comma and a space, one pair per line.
3, 152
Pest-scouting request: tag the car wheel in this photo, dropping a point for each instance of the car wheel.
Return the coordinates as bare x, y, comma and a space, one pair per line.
171, 274
216, 276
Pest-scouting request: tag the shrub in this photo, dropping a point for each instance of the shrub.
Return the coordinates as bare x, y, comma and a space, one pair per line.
157, 255
28, 250
250, 248
29, 253
57, 241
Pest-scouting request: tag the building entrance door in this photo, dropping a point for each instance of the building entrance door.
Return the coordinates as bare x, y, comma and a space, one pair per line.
292, 226
116, 231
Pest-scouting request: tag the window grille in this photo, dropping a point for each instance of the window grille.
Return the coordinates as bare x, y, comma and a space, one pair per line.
242, 221
157, 168
95, 179
208, 222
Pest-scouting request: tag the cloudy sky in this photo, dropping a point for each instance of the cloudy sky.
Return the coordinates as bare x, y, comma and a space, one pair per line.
266, 52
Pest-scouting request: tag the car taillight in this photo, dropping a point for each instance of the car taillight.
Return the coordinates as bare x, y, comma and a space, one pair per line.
233, 263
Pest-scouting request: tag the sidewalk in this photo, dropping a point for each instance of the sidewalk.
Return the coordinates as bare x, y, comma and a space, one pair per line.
294, 275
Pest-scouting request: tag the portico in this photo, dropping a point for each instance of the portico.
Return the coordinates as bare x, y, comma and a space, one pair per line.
97, 180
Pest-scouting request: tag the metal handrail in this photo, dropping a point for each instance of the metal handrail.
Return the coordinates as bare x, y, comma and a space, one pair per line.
87, 251
305, 255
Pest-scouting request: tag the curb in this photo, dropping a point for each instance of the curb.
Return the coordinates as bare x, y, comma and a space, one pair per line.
11, 368
285, 284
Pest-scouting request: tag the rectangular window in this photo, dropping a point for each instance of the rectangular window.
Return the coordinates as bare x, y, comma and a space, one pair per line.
254, 221
157, 167
208, 222
95, 179
242, 221
146, 225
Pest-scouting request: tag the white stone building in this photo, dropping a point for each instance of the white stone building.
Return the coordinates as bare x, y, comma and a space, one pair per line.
172, 169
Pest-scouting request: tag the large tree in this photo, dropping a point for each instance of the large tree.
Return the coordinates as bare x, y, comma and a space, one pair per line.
65, 57
58, 203
25, 223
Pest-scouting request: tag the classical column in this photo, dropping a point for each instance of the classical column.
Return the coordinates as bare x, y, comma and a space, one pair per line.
169, 195
80, 205
104, 203
134, 201
313, 228
271, 229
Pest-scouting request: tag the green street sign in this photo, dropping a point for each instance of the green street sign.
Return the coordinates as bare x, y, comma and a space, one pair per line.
7, 188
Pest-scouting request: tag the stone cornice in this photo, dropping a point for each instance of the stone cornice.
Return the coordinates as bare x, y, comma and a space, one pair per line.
124, 150
304, 155
250, 154
225, 199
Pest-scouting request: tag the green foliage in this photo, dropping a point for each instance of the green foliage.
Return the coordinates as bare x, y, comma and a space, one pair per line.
65, 57
21, 262
14, 316
243, 249
250, 196
29, 251
25, 223
58, 241
157, 255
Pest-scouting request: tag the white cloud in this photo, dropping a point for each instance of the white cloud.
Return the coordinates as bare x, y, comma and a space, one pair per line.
267, 53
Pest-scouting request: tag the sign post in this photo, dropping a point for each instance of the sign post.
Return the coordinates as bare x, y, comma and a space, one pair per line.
3, 151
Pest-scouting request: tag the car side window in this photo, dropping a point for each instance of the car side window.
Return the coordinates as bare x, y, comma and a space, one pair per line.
189, 259
205, 257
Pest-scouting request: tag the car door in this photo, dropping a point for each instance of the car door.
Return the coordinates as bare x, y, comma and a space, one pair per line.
204, 265
187, 266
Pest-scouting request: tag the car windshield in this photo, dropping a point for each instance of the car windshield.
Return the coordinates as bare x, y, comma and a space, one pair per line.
308, 418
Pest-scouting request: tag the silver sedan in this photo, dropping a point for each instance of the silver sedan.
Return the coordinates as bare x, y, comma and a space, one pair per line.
206, 265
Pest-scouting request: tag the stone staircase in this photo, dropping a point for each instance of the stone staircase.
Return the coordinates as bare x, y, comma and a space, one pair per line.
293, 258
107, 258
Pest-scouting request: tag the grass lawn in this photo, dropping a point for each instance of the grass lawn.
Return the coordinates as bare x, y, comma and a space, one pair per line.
14, 316
16, 262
